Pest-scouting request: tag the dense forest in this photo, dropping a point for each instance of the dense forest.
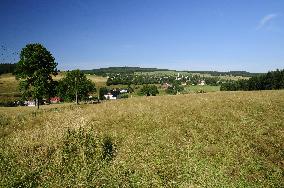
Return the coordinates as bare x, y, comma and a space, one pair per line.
269, 81
7, 68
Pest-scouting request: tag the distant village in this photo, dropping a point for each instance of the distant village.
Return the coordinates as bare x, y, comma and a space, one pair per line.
164, 82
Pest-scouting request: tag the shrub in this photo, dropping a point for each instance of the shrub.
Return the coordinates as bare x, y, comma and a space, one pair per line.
149, 90
124, 96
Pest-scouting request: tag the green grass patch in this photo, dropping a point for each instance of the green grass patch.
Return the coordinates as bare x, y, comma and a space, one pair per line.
197, 88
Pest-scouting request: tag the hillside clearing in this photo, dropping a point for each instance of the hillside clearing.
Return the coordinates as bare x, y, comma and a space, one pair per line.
218, 139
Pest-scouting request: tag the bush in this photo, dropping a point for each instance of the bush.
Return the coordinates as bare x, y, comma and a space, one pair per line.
149, 90
173, 90
124, 96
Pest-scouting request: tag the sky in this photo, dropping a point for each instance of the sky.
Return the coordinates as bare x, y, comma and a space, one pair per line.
219, 35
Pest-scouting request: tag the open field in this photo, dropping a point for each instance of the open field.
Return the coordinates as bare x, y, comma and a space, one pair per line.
217, 139
9, 90
205, 88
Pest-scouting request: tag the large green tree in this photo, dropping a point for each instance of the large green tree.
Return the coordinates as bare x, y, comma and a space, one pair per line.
149, 90
103, 91
75, 86
174, 89
35, 68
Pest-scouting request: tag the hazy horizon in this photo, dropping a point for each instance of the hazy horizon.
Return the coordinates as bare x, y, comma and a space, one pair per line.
204, 35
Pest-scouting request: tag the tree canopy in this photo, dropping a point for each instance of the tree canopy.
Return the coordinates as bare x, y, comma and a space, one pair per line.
174, 89
35, 68
149, 90
75, 82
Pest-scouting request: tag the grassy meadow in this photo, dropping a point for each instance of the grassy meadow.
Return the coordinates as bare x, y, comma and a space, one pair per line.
9, 90
197, 88
8, 84
217, 139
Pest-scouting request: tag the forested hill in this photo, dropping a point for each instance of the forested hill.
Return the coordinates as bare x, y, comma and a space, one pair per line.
104, 71
7, 68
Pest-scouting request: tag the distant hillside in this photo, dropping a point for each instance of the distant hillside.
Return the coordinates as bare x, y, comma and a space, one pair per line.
109, 70
102, 71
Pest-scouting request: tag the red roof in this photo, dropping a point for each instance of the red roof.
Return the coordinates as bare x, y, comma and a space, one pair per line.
55, 99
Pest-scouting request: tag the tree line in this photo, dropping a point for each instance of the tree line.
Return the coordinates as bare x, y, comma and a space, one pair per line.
269, 81
229, 73
124, 70
131, 70
7, 68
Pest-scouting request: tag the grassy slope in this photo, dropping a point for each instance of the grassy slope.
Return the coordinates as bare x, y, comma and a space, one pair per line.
205, 88
219, 139
9, 90
8, 84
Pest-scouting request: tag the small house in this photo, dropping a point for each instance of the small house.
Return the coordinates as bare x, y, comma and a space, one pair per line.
166, 85
202, 83
29, 103
55, 100
109, 96
123, 91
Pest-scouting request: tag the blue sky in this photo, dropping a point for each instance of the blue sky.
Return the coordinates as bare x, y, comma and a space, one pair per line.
217, 35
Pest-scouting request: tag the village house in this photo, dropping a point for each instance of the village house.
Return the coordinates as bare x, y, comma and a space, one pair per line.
202, 83
55, 100
166, 85
109, 96
29, 103
123, 91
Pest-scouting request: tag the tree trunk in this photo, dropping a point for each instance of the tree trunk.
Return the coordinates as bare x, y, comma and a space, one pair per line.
37, 103
77, 97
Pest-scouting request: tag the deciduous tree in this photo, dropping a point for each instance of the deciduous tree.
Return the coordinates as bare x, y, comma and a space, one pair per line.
35, 68
75, 86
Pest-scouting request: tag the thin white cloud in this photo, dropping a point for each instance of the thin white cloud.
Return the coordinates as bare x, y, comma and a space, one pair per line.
265, 20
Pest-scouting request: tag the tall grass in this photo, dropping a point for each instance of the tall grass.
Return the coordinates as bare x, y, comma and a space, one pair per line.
219, 139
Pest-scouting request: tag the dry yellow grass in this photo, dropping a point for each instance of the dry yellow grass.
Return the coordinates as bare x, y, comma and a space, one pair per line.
220, 139
98, 80
8, 84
